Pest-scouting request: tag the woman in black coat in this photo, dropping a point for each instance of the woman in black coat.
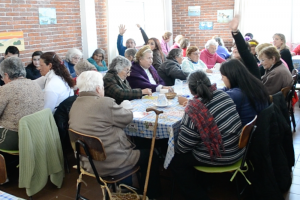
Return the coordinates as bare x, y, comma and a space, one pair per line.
31, 70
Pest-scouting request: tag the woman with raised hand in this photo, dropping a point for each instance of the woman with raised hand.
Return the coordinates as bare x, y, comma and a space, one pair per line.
241, 49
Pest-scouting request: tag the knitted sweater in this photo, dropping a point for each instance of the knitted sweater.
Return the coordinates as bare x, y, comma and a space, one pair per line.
210, 59
40, 152
222, 108
189, 66
19, 98
223, 52
99, 68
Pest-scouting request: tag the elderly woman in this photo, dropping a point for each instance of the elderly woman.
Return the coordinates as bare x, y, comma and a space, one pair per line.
192, 62
280, 43
222, 50
170, 69
184, 44
103, 118
177, 40
209, 55
253, 44
164, 42
241, 49
97, 60
31, 70
55, 81
72, 58
277, 76
258, 48
18, 97
130, 53
143, 74
115, 83
210, 142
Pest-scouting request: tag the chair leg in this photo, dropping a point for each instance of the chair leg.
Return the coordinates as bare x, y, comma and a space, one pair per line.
237, 187
293, 119
78, 192
172, 189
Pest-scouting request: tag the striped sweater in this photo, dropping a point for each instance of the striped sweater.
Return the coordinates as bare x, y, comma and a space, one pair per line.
222, 108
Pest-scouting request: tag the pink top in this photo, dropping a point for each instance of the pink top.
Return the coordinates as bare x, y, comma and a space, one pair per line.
164, 47
297, 50
175, 46
285, 63
210, 59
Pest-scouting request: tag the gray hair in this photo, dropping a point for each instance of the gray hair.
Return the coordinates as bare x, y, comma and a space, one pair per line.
130, 39
211, 42
13, 67
131, 52
219, 41
71, 53
119, 63
184, 43
174, 53
99, 51
89, 80
83, 66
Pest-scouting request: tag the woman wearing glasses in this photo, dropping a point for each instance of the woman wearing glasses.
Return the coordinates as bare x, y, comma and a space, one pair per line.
115, 84
192, 62
72, 57
209, 55
55, 81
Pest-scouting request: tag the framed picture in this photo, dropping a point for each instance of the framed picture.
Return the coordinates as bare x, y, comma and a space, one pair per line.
224, 16
194, 10
47, 16
11, 39
206, 25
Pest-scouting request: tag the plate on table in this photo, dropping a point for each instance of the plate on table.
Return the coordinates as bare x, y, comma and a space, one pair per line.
162, 106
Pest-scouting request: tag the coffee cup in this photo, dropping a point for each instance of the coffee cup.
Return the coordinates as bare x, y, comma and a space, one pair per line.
163, 91
126, 104
162, 100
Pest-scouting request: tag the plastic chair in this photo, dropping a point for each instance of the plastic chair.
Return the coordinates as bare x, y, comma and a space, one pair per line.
92, 148
240, 166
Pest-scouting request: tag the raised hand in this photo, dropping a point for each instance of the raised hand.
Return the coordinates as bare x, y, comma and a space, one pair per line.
122, 29
139, 26
233, 25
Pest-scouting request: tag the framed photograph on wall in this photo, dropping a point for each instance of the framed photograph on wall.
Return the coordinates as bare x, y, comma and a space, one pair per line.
224, 16
206, 25
194, 10
47, 16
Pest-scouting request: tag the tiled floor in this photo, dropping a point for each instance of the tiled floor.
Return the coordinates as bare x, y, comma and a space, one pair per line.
220, 187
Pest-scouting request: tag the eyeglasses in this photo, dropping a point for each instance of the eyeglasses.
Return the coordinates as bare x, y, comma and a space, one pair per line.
76, 58
195, 53
127, 71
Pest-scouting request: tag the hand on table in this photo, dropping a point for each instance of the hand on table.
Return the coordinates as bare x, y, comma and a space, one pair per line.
147, 91
122, 29
233, 25
182, 100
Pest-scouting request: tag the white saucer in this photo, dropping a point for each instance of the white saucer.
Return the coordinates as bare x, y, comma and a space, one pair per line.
162, 106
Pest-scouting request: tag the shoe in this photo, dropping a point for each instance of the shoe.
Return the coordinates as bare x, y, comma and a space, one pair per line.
7, 180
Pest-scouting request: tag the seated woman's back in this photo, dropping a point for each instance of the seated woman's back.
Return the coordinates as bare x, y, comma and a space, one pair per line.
214, 124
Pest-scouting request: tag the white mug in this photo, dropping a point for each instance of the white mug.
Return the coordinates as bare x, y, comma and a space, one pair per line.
163, 91
162, 100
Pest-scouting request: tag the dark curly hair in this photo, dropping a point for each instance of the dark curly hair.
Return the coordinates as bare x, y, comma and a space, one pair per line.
58, 67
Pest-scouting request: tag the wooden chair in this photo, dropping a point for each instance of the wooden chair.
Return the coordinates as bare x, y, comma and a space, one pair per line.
240, 166
285, 91
92, 148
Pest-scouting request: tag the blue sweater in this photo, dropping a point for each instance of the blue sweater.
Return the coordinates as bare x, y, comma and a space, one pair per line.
223, 52
243, 106
120, 46
70, 68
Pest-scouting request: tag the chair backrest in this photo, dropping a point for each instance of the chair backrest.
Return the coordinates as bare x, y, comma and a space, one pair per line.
295, 78
285, 91
93, 145
246, 132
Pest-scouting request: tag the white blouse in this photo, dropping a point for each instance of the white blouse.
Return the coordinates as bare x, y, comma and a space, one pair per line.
55, 90
151, 79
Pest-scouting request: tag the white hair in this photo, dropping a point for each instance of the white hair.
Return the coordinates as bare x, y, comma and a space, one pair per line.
83, 66
71, 53
119, 63
211, 42
178, 38
89, 80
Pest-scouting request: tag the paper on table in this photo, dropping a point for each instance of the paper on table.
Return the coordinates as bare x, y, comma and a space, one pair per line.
150, 97
140, 114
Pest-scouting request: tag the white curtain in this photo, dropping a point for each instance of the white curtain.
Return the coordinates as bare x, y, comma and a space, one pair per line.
264, 18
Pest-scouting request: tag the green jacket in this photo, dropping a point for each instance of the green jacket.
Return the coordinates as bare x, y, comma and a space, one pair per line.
119, 90
40, 152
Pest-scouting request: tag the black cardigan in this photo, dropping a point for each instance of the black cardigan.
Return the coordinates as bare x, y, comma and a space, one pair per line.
287, 57
246, 55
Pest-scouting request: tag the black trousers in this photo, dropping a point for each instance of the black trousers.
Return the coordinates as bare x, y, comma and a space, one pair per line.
187, 177
154, 187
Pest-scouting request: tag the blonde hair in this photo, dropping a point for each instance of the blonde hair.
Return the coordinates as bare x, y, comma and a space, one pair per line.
270, 52
282, 38
166, 35
178, 38
140, 54
259, 47
191, 49
184, 43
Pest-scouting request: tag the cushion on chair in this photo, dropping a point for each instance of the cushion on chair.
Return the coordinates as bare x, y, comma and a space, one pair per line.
220, 169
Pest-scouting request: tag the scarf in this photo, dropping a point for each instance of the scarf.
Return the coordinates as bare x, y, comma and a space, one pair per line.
206, 125
154, 75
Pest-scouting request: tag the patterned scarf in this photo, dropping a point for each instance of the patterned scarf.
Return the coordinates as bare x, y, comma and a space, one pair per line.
206, 125
154, 75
